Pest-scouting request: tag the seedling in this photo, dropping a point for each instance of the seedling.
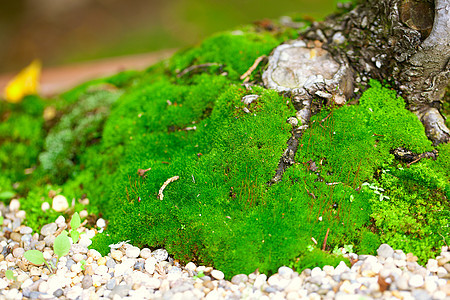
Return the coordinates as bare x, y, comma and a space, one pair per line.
83, 264
61, 245
74, 224
10, 275
199, 275
36, 257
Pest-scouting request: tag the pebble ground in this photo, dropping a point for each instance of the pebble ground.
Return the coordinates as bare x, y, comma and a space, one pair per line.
128, 272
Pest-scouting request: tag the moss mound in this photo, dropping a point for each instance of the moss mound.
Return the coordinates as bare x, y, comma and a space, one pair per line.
185, 117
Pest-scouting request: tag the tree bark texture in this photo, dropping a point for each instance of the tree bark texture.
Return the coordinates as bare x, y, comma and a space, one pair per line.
406, 42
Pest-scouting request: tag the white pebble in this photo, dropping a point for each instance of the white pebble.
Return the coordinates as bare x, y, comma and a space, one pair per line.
101, 270
21, 214
43, 287
101, 223
94, 254
60, 203
3, 284
83, 214
45, 206
285, 272
145, 253
60, 221
191, 266
14, 205
416, 281
132, 252
217, 274
117, 254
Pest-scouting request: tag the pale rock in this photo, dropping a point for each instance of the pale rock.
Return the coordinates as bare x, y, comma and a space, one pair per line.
18, 252
145, 253
45, 206
285, 272
101, 223
132, 252
83, 214
191, 266
3, 284
260, 280
76, 268
43, 287
84, 241
441, 272
317, 272
60, 221
49, 229
94, 254
432, 265
416, 281
150, 265
217, 274
117, 255
26, 230
294, 285
77, 257
385, 251
74, 292
101, 261
60, 203
21, 214
329, 270
14, 205
430, 285
122, 269
101, 270
35, 271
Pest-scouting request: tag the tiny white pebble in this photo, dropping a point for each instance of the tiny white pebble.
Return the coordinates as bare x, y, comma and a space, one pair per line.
217, 274
101, 223
45, 206
14, 205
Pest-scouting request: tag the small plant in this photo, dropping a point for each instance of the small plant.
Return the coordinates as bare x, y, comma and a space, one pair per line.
10, 275
199, 275
75, 224
83, 264
61, 245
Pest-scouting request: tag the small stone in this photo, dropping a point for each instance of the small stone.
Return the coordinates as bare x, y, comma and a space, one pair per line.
101, 270
153, 283
160, 254
45, 206
110, 263
26, 230
77, 257
76, 268
40, 245
101, 261
83, 214
260, 280
190, 266
86, 282
385, 251
3, 284
14, 205
432, 265
139, 265
43, 287
16, 237
237, 279
285, 272
416, 281
94, 254
60, 203
49, 229
111, 284
132, 252
101, 223
441, 272
217, 274
35, 271
58, 293
89, 270
117, 255
18, 252
120, 290
84, 241
60, 221
145, 253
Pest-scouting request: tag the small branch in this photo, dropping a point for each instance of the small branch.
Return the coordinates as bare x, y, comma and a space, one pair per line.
141, 172
325, 240
252, 68
166, 183
411, 157
194, 67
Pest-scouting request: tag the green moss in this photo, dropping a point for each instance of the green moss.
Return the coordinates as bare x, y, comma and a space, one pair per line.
346, 187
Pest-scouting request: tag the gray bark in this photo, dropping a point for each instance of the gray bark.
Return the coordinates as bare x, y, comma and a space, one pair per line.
406, 42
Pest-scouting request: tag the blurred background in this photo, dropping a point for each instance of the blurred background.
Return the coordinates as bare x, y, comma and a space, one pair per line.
79, 40
67, 31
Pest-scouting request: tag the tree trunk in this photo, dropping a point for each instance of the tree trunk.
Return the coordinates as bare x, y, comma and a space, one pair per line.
406, 42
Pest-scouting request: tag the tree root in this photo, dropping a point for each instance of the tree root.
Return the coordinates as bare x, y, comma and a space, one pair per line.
410, 157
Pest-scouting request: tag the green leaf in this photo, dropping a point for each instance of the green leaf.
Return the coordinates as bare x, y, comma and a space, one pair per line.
76, 221
10, 275
1, 220
6, 195
75, 235
34, 256
61, 245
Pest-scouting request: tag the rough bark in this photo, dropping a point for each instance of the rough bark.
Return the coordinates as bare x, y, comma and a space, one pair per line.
406, 42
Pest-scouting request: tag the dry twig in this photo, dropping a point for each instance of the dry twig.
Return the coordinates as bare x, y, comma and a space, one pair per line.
252, 68
165, 184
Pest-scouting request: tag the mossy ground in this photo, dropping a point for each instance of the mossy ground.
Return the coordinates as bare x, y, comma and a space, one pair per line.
221, 211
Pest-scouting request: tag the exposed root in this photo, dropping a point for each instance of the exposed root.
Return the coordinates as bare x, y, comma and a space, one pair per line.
194, 67
434, 124
165, 184
411, 157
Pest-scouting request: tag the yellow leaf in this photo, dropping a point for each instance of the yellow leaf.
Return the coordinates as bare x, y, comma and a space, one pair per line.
25, 83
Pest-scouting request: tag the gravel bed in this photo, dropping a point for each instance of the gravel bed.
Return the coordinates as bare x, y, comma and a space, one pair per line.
132, 273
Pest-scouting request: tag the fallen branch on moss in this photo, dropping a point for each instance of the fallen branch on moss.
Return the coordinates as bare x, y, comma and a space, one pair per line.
194, 67
410, 157
165, 184
246, 75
